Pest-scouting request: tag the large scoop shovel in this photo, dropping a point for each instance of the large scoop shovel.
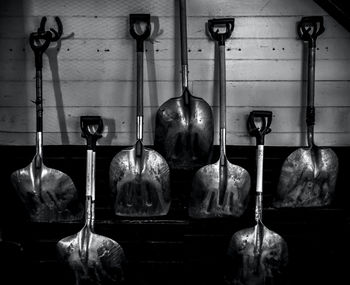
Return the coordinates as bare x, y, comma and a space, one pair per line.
222, 188
308, 176
95, 259
139, 177
257, 255
49, 195
184, 125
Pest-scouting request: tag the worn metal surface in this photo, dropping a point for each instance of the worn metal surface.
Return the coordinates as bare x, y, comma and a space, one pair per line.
257, 260
49, 195
95, 259
184, 132
308, 178
219, 191
140, 185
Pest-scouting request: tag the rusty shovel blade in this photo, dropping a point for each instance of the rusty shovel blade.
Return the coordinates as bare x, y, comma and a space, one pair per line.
49, 195
257, 256
308, 178
219, 191
95, 259
140, 185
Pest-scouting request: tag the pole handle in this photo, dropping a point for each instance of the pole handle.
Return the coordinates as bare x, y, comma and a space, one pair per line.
91, 127
259, 132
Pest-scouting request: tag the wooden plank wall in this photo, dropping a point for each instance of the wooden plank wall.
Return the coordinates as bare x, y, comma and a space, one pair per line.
92, 70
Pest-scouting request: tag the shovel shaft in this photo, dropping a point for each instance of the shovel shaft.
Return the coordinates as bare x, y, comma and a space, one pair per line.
183, 30
139, 121
259, 182
310, 109
90, 189
39, 100
222, 76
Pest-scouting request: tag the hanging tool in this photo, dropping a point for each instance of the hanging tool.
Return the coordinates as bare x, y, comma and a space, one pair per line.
139, 176
48, 194
257, 255
95, 259
222, 188
308, 176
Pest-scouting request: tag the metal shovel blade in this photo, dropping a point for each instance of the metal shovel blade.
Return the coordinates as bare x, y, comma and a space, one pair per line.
308, 178
95, 259
219, 191
48, 194
257, 260
141, 185
184, 132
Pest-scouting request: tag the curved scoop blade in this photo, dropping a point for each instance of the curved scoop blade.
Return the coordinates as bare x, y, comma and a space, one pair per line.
251, 266
140, 185
184, 133
95, 259
49, 195
206, 200
308, 178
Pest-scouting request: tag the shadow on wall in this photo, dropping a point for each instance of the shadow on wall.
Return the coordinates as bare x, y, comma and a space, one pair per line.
52, 54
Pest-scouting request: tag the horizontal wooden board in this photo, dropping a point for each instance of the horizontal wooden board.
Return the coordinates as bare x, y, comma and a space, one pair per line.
97, 49
128, 139
170, 70
91, 27
123, 119
122, 93
111, 8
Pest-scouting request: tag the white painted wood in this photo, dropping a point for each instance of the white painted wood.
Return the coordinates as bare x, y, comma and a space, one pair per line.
116, 27
120, 93
97, 49
123, 119
94, 71
167, 70
112, 8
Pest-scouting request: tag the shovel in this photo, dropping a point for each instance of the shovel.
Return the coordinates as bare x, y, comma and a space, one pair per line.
184, 125
308, 176
257, 255
222, 188
49, 195
95, 259
139, 177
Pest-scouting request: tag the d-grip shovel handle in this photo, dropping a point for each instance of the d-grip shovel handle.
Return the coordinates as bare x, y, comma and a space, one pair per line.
218, 36
47, 36
259, 132
309, 28
140, 38
91, 127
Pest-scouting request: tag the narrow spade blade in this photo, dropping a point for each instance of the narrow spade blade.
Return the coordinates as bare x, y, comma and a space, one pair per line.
94, 259
141, 185
308, 178
257, 263
217, 195
48, 194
